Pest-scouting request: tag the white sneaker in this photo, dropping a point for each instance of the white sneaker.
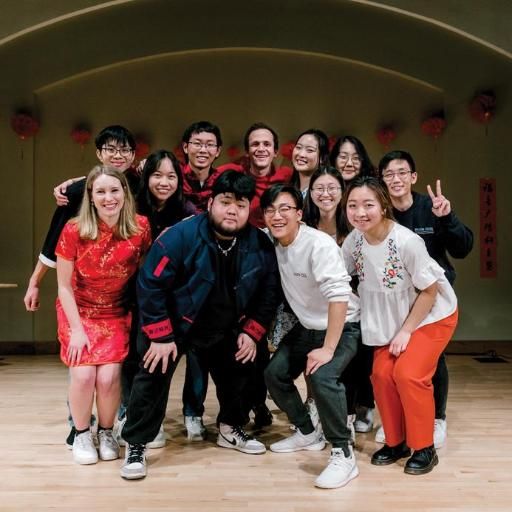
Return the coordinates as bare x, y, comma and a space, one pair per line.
160, 439
364, 419
108, 447
84, 451
351, 418
439, 433
196, 431
236, 439
134, 466
380, 436
312, 411
298, 441
339, 471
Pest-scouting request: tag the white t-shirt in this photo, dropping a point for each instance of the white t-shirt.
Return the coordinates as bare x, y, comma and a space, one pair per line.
313, 274
390, 275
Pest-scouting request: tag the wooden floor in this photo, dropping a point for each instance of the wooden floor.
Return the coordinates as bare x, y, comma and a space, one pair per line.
474, 472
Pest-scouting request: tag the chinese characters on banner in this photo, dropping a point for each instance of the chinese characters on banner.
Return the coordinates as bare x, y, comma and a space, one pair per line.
488, 228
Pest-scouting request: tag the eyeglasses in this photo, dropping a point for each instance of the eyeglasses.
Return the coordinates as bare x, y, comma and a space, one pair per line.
331, 190
345, 158
388, 176
112, 150
209, 146
283, 210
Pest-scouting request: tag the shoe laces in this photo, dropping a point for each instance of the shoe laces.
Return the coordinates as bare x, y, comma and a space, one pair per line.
338, 457
240, 434
135, 453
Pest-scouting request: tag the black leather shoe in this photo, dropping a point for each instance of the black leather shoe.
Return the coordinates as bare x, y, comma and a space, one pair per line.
387, 454
422, 461
262, 416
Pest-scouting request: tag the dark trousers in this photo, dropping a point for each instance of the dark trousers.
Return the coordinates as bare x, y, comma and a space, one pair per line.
150, 391
195, 387
356, 379
256, 390
328, 391
440, 381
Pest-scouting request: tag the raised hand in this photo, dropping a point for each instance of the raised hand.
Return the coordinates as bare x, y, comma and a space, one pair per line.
440, 205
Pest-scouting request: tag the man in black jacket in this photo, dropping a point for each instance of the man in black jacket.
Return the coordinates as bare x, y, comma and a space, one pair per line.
209, 287
431, 217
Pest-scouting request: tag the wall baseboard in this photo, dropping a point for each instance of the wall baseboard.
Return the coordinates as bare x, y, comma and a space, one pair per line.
29, 348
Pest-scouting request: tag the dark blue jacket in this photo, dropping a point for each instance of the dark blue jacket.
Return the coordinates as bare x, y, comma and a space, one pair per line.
178, 275
441, 234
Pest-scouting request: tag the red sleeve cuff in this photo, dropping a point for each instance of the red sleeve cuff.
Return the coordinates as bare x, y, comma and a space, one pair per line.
158, 329
254, 329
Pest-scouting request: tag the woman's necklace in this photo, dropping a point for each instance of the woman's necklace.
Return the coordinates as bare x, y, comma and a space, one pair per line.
226, 251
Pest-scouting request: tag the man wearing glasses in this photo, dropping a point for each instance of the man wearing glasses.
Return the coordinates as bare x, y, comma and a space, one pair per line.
202, 145
431, 217
317, 288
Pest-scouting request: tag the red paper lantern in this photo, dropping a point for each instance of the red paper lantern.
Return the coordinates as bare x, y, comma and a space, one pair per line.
482, 107
332, 142
141, 149
233, 152
24, 125
386, 135
287, 149
434, 126
81, 136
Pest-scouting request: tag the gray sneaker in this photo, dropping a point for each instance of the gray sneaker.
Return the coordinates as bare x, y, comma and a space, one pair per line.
108, 447
196, 431
237, 439
134, 467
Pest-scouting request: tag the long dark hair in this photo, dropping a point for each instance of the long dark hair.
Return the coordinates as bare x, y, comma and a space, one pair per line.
311, 211
174, 208
323, 151
367, 168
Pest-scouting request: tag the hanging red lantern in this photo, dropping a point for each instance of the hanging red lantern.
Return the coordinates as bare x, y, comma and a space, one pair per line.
332, 142
142, 149
287, 149
386, 135
233, 152
483, 107
24, 125
434, 126
81, 136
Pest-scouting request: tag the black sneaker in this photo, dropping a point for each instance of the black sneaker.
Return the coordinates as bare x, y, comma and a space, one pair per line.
71, 438
134, 466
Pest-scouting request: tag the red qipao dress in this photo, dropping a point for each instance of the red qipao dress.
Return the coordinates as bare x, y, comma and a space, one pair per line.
102, 269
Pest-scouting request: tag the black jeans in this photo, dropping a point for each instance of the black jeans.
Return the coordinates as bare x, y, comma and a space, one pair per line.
150, 391
440, 381
328, 391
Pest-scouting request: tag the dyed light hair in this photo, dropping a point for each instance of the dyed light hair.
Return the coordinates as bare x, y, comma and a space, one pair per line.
87, 219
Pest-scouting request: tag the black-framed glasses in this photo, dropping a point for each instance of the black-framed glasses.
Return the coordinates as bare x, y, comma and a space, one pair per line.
283, 210
112, 150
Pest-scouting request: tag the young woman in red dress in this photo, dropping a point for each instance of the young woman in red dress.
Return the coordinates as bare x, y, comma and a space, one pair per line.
97, 254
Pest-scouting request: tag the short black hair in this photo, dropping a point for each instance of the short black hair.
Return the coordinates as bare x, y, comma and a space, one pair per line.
202, 126
235, 182
260, 126
118, 134
398, 154
270, 195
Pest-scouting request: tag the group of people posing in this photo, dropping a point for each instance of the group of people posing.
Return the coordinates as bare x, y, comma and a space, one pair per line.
338, 266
